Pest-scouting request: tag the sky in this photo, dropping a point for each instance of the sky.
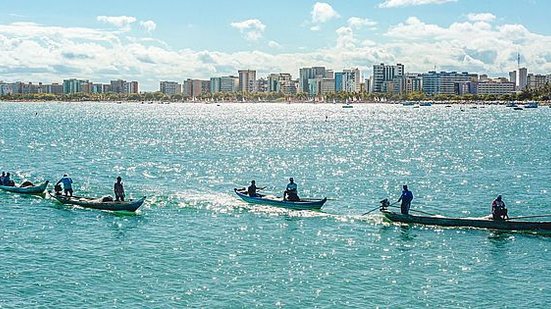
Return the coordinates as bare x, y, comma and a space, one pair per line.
149, 41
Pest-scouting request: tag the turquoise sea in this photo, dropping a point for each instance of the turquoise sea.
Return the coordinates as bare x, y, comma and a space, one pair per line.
196, 244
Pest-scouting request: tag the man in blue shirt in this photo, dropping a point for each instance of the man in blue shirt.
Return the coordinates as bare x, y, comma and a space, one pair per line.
67, 185
406, 198
291, 192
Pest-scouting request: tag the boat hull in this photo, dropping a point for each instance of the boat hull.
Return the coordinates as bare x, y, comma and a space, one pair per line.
486, 222
96, 204
301, 205
39, 189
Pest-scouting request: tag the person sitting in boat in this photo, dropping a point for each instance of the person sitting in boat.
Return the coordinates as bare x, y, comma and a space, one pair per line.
499, 211
119, 190
2, 178
7, 181
291, 193
67, 185
251, 190
405, 198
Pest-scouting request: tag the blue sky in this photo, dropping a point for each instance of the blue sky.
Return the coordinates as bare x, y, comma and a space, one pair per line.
174, 40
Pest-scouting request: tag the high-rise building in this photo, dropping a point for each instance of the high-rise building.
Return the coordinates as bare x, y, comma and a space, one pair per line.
131, 87
306, 74
247, 81
522, 78
445, 82
348, 81
170, 88
513, 77
535, 81
117, 86
281, 82
224, 84
73, 85
384, 73
196, 87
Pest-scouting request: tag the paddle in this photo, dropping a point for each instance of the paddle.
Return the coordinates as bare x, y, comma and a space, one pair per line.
372, 210
528, 217
419, 211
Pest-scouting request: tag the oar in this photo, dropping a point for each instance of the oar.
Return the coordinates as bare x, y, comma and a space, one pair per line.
372, 210
419, 211
528, 217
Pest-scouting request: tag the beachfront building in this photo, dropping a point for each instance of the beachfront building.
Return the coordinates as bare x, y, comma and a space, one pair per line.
224, 84
170, 87
348, 81
281, 83
513, 77
522, 78
535, 81
262, 85
73, 85
196, 87
247, 81
384, 75
445, 82
495, 87
307, 74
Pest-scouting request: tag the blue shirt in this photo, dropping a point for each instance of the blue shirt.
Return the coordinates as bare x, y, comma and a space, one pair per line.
292, 187
407, 196
66, 181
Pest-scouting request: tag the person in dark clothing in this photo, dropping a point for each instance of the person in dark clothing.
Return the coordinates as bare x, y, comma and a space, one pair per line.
251, 190
119, 190
291, 192
499, 211
405, 198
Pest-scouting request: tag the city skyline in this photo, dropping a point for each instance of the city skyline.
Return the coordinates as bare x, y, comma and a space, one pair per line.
176, 41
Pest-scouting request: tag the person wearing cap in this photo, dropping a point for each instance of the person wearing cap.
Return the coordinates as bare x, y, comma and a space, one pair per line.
499, 211
67, 185
291, 192
251, 190
405, 198
119, 190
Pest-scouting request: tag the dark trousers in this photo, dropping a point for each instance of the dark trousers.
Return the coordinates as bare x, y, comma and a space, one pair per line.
404, 208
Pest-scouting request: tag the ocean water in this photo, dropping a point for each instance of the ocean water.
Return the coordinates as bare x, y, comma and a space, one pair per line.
194, 243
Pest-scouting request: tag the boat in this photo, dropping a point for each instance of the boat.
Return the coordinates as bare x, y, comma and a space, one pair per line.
38, 189
511, 104
425, 103
98, 203
482, 222
347, 106
531, 105
518, 108
303, 204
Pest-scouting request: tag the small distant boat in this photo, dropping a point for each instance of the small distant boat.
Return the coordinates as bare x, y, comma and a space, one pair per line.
425, 104
98, 203
407, 103
347, 106
518, 108
38, 189
511, 104
448, 106
416, 106
484, 222
303, 204
531, 105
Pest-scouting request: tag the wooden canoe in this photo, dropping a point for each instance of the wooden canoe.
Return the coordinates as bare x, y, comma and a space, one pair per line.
97, 203
484, 222
307, 204
38, 189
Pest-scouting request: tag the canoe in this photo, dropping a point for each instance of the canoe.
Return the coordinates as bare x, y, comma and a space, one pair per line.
305, 204
484, 222
97, 203
39, 189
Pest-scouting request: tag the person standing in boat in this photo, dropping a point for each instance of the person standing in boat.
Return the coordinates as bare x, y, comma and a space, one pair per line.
291, 192
119, 190
251, 190
405, 198
67, 185
499, 211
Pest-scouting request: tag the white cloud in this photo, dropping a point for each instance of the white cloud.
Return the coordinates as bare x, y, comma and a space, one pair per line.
122, 22
101, 55
148, 25
486, 17
252, 29
403, 3
357, 22
274, 44
321, 13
